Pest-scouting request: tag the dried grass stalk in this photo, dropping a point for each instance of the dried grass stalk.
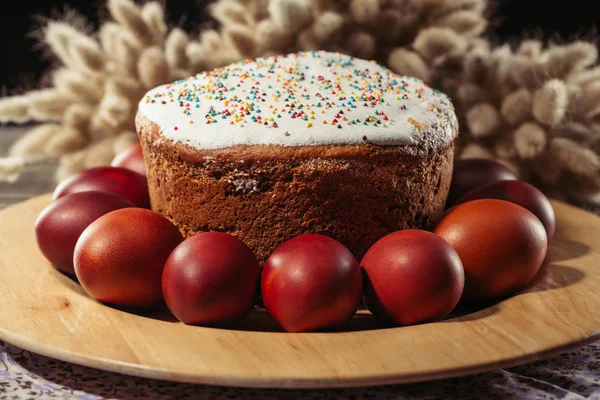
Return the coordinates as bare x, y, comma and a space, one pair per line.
290, 15
269, 37
70, 164
124, 140
100, 154
109, 36
406, 62
14, 109
175, 49
550, 102
530, 140
154, 17
77, 86
364, 11
11, 168
517, 107
437, 42
128, 15
65, 141
362, 45
483, 120
59, 36
78, 116
474, 150
242, 39
153, 68
574, 157
530, 48
327, 24
47, 104
34, 141
127, 54
228, 12
562, 61
470, 94
467, 23
87, 55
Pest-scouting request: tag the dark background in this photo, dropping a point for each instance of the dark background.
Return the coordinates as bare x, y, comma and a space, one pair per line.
21, 63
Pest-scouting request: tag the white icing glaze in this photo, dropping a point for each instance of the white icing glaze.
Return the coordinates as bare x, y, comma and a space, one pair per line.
301, 99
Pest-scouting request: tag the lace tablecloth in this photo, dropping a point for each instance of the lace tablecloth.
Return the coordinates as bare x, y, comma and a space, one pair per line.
572, 375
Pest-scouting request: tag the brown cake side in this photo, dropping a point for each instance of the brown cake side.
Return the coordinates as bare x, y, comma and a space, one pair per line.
265, 195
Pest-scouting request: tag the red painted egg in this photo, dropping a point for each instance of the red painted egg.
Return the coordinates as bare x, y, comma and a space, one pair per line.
131, 158
119, 258
60, 224
471, 173
501, 245
412, 276
120, 181
211, 278
311, 282
518, 192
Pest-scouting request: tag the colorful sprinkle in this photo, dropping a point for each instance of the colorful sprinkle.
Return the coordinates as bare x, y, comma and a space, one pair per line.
273, 91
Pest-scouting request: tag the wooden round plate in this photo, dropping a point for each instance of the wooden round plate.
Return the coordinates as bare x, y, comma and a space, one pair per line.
45, 312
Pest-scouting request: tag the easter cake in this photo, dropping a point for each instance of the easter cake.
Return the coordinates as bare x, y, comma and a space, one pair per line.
310, 142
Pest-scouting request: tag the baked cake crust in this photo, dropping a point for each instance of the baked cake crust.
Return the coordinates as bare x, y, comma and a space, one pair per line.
265, 195
311, 142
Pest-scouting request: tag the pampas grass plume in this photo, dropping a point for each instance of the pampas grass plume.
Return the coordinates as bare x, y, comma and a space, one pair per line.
290, 15
77, 86
474, 150
153, 69
58, 36
14, 109
470, 94
550, 102
327, 25
70, 164
100, 153
78, 116
467, 23
124, 140
175, 49
504, 147
47, 104
11, 168
436, 42
562, 61
574, 157
406, 62
87, 55
271, 38
34, 141
108, 37
67, 140
362, 45
530, 48
154, 17
228, 12
482, 120
128, 15
364, 11
127, 53
530, 140
517, 107
242, 40
589, 102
